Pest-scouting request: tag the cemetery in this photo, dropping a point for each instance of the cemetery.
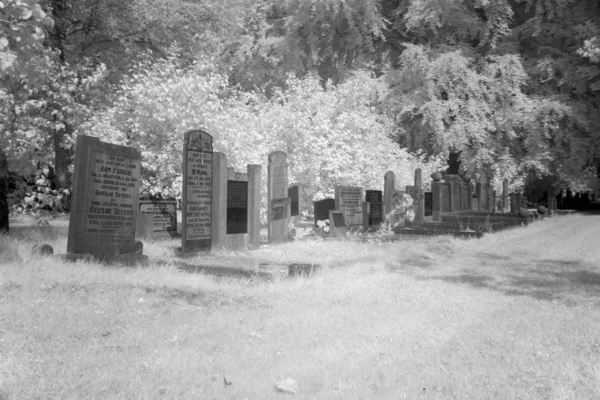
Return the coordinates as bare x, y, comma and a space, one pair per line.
331, 199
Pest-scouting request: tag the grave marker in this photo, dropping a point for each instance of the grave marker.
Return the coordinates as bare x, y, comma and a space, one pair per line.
389, 187
420, 205
505, 200
237, 207
348, 201
375, 212
278, 206
337, 224
197, 192
322, 208
294, 195
428, 201
104, 202
164, 217
254, 182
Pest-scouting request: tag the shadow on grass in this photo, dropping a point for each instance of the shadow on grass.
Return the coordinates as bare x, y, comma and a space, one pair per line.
542, 280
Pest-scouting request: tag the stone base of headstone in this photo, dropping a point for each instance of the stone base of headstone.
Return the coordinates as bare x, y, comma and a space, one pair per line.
125, 259
144, 225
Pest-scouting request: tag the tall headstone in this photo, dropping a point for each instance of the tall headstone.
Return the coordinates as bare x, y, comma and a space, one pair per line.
220, 176
278, 207
436, 197
375, 200
348, 201
3, 193
513, 203
104, 202
389, 188
446, 197
254, 185
163, 214
453, 181
428, 204
197, 192
322, 208
505, 200
480, 189
294, 195
420, 209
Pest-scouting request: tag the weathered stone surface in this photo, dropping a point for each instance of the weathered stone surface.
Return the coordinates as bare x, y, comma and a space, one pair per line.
389, 187
337, 224
104, 200
348, 200
197, 192
254, 184
144, 225
163, 215
436, 200
445, 198
420, 201
428, 203
278, 206
220, 176
505, 199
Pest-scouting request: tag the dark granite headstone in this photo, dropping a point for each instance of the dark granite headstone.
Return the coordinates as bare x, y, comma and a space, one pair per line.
375, 199
294, 195
337, 224
237, 207
322, 208
197, 191
428, 204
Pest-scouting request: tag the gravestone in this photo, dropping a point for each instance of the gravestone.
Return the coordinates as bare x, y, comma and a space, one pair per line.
445, 198
375, 212
3, 193
197, 192
337, 224
220, 174
428, 202
164, 217
505, 200
254, 186
278, 206
436, 197
389, 187
237, 207
348, 201
294, 195
104, 202
322, 208
420, 202
465, 194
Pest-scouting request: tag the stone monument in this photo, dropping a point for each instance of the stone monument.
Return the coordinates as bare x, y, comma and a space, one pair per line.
278, 200
389, 188
197, 201
104, 202
348, 201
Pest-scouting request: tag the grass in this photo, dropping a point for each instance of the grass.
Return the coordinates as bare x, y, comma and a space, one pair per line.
514, 315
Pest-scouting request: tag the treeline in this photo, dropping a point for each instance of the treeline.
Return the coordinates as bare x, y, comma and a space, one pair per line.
347, 88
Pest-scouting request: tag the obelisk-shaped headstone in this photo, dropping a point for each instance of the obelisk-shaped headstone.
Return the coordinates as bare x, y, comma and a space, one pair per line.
197, 192
3, 193
389, 188
279, 204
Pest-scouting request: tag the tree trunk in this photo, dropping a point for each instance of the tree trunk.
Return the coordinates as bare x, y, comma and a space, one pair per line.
3, 193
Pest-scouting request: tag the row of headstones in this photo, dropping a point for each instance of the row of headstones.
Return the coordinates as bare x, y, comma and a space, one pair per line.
219, 208
349, 209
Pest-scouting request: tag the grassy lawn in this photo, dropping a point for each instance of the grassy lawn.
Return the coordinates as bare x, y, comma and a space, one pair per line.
514, 315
